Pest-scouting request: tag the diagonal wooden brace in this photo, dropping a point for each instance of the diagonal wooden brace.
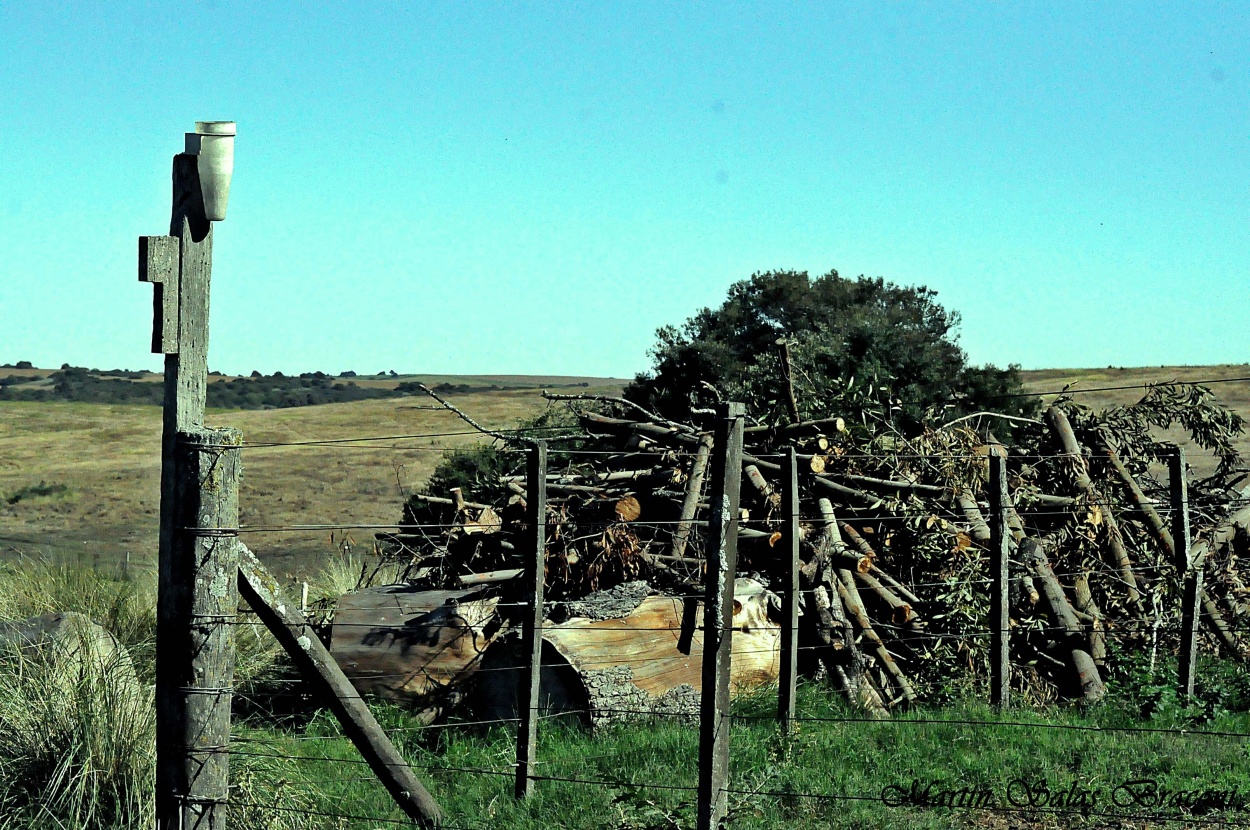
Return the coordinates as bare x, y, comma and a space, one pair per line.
159, 264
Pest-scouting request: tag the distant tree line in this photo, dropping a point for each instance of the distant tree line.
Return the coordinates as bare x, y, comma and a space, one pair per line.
257, 392
276, 391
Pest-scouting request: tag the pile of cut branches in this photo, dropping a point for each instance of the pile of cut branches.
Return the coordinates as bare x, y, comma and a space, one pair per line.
895, 535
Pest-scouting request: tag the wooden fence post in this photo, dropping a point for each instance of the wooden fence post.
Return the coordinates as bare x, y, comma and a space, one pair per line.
1000, 618
722, 564
789, 583
198, 612
179, 266
532, 630
1190, 573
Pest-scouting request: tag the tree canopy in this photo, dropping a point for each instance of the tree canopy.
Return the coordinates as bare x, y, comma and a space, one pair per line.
864, 347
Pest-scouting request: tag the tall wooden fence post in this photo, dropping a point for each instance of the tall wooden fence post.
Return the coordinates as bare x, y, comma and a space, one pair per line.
718, 608
1000, 618
193, 782
532, 630
179, 266
789, 584
1190, 573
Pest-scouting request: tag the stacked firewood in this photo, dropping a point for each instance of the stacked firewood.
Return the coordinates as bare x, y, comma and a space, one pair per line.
894, 537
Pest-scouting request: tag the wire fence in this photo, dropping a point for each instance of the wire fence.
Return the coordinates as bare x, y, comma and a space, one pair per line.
751, 646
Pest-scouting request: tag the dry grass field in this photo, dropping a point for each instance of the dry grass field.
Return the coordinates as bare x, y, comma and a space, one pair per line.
108, 457
1233, 393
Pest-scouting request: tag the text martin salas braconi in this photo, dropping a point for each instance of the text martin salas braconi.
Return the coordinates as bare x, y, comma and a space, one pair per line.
1038, 794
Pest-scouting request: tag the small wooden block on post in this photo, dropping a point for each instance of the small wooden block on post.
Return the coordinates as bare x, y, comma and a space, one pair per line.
532, 628
159, 263
789, 584
1000, 619
722, 565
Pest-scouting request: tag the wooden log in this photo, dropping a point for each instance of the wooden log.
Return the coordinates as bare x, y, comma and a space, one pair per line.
826, 576
489, 577
326, 678
1215, 621
978, 529
847, 494
900, 612
1133, 490
672, 435
893, 584
769, 496
618, 668
1082, 663
1117, 554
855, 610
790, 429
860, 543
1029, 588
1084, 603
458, 504
891, 485
828, 549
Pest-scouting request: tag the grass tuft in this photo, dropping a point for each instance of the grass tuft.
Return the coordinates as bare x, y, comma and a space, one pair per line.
76, 741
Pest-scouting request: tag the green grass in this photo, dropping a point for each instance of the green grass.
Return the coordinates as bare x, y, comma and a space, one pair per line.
79, 755
832, 758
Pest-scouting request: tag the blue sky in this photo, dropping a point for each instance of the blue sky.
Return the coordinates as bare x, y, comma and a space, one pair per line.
489, 187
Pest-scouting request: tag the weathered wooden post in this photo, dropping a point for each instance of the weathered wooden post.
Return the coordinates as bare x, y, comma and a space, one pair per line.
1190, 572
788, 559
203, 600
180, 266
532, 629
1000, 618
718, 609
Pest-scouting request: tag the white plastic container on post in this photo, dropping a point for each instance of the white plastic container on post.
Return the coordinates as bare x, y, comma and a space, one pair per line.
213, 144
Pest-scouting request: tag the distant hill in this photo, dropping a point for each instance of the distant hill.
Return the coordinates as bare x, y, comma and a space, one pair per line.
23, 382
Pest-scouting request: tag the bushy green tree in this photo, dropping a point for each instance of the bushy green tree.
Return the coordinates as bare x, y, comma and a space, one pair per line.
855, 344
